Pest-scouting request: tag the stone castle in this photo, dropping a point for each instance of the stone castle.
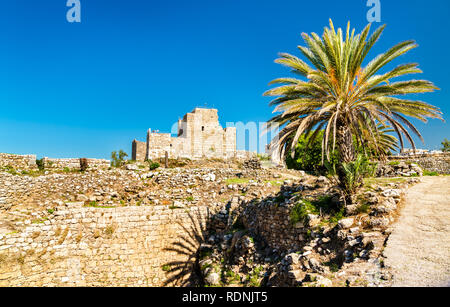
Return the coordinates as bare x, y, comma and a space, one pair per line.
199, 136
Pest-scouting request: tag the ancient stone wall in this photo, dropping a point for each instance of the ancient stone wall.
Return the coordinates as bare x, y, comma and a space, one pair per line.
263, 218
138, 151
434, 163
22, 162
74, 163
85, 246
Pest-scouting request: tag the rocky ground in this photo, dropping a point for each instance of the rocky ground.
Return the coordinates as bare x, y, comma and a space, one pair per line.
267, 226
30, 198
330, 248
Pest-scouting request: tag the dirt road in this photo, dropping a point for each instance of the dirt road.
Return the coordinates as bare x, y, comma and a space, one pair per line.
418, 250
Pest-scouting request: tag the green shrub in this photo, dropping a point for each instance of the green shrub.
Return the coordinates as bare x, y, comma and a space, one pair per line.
308, 155
445, 145
351, 174
118, 158
153, 165
166, 268
40, 164
430, 173
11, 170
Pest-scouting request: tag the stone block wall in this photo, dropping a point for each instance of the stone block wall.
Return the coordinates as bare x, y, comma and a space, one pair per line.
434, 163
22, 162
74, 163
138, 151
272, 224
84, 246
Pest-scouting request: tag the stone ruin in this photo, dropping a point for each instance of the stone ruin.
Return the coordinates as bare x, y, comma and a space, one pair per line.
199, 136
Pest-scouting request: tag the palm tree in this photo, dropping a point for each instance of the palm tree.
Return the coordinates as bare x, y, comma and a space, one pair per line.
341, 96
383, 142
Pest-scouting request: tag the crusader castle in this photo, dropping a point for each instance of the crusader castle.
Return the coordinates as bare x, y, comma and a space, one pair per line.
199, 136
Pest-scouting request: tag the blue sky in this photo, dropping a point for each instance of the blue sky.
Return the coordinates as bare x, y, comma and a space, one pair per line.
85, 89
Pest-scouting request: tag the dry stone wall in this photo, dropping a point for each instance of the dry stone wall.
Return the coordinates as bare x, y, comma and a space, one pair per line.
87, 246
23, 162
74, 163
263, 218
434, 163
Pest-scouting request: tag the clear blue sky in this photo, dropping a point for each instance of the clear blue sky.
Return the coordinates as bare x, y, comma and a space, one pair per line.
83, 90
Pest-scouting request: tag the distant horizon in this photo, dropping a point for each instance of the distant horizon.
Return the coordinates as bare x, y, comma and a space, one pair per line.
70, 90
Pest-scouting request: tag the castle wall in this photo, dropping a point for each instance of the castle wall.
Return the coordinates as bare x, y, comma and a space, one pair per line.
158, 144
199, 136
138, 151
83, 246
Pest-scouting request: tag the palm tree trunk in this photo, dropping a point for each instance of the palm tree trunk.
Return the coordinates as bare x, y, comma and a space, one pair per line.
344, 139
345, 144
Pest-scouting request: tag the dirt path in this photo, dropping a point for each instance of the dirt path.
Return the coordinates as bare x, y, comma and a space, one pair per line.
418, 250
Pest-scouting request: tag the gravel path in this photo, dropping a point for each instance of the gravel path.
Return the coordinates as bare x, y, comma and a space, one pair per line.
418, 250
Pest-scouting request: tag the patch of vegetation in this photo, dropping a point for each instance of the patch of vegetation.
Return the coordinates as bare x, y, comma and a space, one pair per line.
10, 169
153, 165
255, 278
445, 145
263, 157
232, 277
363, 208
237, 180
39, 221
95, 204
430, 173
352, 174
321, 206
334, 267
190, 198
166, 268
40, 164
118, 158
370, 182
205, 253
275, 183
301, 210
308, 155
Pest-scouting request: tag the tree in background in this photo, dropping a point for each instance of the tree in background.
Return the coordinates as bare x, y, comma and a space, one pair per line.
118, 158
445, 145
308, 155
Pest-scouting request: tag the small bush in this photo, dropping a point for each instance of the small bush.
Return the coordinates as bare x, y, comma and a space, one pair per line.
40, 164
118, 159
321, 206
153, 165
166, 268
430, 173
